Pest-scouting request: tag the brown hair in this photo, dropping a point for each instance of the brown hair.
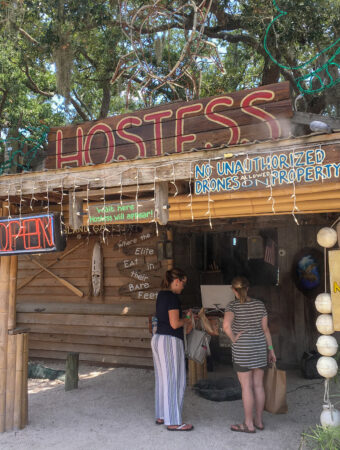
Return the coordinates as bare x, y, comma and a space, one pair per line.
170, 276
241, 285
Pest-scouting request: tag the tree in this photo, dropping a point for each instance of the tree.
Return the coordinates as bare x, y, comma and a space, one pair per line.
101, 57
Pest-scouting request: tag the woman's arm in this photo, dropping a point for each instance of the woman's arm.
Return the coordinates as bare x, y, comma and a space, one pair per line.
271, 354
227, 321
175, 320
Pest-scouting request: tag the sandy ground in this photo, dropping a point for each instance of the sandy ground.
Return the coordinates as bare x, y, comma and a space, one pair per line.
113, 409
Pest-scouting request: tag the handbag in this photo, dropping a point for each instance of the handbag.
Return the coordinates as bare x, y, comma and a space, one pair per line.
196, 344
275, 391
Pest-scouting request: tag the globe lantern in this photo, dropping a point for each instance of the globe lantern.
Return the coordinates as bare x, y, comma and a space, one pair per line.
323, 303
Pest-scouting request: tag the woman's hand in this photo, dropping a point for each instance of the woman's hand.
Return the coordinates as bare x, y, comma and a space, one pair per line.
237, 336
271, 357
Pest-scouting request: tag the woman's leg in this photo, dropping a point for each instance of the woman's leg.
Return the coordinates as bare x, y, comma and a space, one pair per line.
259, 395
246, 381
171, 375
159, 406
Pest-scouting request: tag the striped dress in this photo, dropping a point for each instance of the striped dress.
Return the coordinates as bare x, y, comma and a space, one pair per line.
250, 350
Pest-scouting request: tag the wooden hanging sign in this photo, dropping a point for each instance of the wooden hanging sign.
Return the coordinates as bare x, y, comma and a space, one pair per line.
136, 285
127, 242
142, 211
128, 263
226, 119
140, 251
147, 267
145, 295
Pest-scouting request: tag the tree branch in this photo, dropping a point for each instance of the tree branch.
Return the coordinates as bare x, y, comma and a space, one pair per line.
33, 86
77, 107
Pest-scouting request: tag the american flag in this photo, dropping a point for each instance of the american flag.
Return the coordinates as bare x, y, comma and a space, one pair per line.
269, 252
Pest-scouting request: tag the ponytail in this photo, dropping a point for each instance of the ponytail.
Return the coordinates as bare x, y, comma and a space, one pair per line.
241, 285
170, 276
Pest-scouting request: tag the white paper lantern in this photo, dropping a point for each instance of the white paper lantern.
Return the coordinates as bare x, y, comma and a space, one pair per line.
327, 345
327, 367
327, 237
330, 417
323, 303
324, 324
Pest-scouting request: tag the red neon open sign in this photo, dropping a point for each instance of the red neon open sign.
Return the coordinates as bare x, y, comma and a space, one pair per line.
31, 234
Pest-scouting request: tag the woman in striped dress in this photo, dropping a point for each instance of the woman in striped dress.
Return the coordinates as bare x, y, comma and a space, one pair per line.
168, 353
246, 324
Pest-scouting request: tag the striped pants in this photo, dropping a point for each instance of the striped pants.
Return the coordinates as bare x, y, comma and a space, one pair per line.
170, 378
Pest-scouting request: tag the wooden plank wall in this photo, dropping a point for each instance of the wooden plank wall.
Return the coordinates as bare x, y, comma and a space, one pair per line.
111, 328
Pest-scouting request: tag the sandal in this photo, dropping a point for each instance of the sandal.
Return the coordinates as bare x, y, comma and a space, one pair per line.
241, 428
159, 422
259, 428
183, 427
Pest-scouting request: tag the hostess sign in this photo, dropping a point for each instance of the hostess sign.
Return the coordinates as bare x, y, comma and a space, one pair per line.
229, 119
258, 171
30, 234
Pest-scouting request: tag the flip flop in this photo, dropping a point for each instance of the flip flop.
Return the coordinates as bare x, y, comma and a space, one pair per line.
183, 427
259, 428
159, 422
241, 428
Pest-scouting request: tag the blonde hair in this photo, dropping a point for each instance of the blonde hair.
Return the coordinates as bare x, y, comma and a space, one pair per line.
171, 275
241, 285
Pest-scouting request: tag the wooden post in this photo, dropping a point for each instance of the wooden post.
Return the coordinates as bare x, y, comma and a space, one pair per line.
24, 402
12, 292
4, 292
10, 385
19, 381
170, 237
71, 376
162, 202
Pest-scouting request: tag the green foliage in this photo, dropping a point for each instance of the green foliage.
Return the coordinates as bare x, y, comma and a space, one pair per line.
321, 438
37, 86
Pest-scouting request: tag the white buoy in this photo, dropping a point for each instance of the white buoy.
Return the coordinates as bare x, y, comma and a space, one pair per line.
327, 367
330, 417
327, 345
323, 303
327, 237
324, 324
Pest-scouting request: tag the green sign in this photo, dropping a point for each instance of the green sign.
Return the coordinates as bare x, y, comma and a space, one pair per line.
141, 211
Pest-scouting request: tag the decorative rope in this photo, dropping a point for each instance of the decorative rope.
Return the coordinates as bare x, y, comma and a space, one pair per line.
27, 139
316, 73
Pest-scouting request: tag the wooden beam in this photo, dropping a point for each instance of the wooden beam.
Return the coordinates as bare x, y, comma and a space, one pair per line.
115, 190
166, 168
75, 211
162, 202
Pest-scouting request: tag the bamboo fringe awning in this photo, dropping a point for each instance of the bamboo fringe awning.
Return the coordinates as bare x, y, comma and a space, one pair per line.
301, 199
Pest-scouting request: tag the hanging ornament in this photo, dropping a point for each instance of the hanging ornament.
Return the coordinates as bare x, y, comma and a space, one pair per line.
327, 237
330, 417
327, 367
323, 303
327, 345
324, 324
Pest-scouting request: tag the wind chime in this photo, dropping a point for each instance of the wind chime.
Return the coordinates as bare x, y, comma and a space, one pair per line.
326, 344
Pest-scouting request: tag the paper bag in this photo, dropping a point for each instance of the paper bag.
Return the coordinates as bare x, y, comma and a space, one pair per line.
275, 391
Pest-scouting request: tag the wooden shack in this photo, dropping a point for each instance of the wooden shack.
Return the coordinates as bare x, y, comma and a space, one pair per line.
216, 186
